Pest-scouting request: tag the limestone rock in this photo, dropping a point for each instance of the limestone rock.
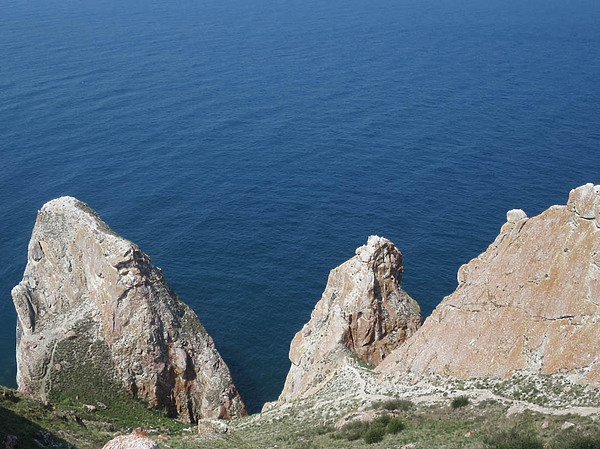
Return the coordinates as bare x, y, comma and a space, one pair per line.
363, 311
92, 303
530, 302
132, 441
212, 426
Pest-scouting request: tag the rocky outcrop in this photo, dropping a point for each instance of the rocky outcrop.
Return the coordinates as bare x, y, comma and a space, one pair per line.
530, 302
136, 440
95, 316
362, 311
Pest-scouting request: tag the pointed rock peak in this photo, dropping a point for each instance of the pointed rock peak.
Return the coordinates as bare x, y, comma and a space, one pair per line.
363, 311
95, 316
376, 247
70, 208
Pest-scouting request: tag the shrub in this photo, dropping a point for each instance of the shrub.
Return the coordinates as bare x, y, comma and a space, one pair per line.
375, 434
578, 441
354, 430
460, 401
382, 421
394, 404
322, 430
514, 439
395, 426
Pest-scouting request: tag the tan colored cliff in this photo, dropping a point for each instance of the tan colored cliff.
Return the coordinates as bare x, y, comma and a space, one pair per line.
530, 302
95, 316
363, 311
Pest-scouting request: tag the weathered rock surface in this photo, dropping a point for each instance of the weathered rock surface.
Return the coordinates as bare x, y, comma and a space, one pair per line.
132, 441
530, 302
94, 313
363, 311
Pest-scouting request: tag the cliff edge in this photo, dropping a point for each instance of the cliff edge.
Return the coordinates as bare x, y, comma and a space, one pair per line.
530, 302
95, 316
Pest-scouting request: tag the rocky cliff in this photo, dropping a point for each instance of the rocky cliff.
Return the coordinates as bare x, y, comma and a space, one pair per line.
530, 302
95, 316
363, 311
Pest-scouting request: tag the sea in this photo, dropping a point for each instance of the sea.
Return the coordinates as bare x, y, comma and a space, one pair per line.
249, 147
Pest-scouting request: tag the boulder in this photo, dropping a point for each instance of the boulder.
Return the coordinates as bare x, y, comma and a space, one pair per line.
530, 302
363, 311
133, 441
95, 316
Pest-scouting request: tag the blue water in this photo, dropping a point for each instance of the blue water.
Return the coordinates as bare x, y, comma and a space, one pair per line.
250, 146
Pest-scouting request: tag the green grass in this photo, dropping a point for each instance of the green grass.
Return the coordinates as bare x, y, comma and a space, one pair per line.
300, 426
577, 440
375, 434
395, 426
68, 424
514, 439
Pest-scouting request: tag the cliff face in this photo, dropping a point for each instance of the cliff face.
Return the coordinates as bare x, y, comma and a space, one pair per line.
530, 302
93, 312
363, 311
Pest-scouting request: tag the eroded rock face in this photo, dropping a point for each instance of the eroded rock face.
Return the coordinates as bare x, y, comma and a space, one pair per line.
362, 311
530, 302
93, 312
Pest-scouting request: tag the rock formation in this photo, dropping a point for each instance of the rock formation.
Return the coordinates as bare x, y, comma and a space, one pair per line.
95, 316
362, 311
136, 440
530, 302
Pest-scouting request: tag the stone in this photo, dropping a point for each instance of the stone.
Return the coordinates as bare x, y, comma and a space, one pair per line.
583, 200
567, 425
515, 409
132, 441
366, 417
363, 311
212, 426
515, 215
71, 334
530, 303
103, 317
545, 424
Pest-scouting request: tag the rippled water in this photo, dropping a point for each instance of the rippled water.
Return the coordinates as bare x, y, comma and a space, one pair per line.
250, 147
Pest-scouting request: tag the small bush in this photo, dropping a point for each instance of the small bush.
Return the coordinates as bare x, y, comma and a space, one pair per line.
514, 439
382, 421
395, 404
460, 401
375, 434
370, 432
395, 426
354, 430
578, 441
322, 430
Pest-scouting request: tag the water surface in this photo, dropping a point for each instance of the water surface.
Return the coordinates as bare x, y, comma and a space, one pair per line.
250, 147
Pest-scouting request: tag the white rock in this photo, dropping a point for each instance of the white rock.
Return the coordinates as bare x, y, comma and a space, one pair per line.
515, 215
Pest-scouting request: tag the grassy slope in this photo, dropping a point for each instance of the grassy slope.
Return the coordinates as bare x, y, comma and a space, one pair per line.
473, 426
